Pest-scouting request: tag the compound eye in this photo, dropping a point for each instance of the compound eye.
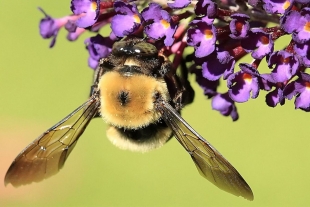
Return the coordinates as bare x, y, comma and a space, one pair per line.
145, 49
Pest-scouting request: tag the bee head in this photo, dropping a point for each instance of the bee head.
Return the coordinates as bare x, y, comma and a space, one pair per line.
134, 47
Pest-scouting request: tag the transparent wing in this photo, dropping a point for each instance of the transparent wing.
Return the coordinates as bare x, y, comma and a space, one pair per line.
209, 162
46, 155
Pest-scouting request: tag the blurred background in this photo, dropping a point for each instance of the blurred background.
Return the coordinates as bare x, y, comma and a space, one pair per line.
40, 86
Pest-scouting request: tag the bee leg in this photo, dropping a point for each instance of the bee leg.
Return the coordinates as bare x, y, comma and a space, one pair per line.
179, 87
175, 89
178, 100
189, 93
97, 75
173, 82
165, 68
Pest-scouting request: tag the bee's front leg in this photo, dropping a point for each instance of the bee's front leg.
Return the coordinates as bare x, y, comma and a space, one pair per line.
100, 70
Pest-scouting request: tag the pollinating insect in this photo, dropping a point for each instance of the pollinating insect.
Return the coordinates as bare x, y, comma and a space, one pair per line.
138, 94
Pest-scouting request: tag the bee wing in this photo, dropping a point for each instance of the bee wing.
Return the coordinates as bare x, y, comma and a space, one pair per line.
209, 162
46, 155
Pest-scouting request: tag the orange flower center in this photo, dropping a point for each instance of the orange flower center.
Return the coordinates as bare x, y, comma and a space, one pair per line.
165, 23
285, 60
208, 34
307, 27
137, 18
264, 40
239, 26
247, 77
307, 86
93, 6
286, 5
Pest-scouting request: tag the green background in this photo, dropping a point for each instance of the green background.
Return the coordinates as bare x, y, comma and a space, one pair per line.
40, 86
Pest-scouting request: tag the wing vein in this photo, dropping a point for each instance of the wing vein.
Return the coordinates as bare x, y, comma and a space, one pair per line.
209, 162
48, 153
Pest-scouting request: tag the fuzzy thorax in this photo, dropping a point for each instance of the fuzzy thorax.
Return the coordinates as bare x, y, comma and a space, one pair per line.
128, 100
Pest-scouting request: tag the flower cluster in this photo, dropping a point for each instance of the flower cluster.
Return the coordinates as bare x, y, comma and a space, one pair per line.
220, 33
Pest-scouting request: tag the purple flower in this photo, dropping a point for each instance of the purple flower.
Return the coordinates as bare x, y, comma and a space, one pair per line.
206, 8
89, 9
70, 26
74, 31
274, 97
98, 47
210, 36
179, 4
277, 6
202, 37
49, 27
303, 51
301, 89
286, 65
209, 87
72, 36
239, 26
259, 42
217, 64
298, 24
127, 20
226, 106
162, 24
204, 19
242, 83
265, 83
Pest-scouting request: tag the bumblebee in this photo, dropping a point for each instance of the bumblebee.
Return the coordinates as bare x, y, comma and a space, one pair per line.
138, 94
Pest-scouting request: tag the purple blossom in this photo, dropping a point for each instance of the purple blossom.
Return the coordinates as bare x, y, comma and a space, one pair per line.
70, 26
265, 83
213, 35
274, 97
239, 26
88, 9
206, 8
277, 6
216, 65
202, 37
298, 24
209, 87
226, 106
73, 31
98, 47
161, 26
301, 89
303, 51
259, 43
242, 83
286, 65
179, 4
127, 20
204, 19
49, 27
72, 36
